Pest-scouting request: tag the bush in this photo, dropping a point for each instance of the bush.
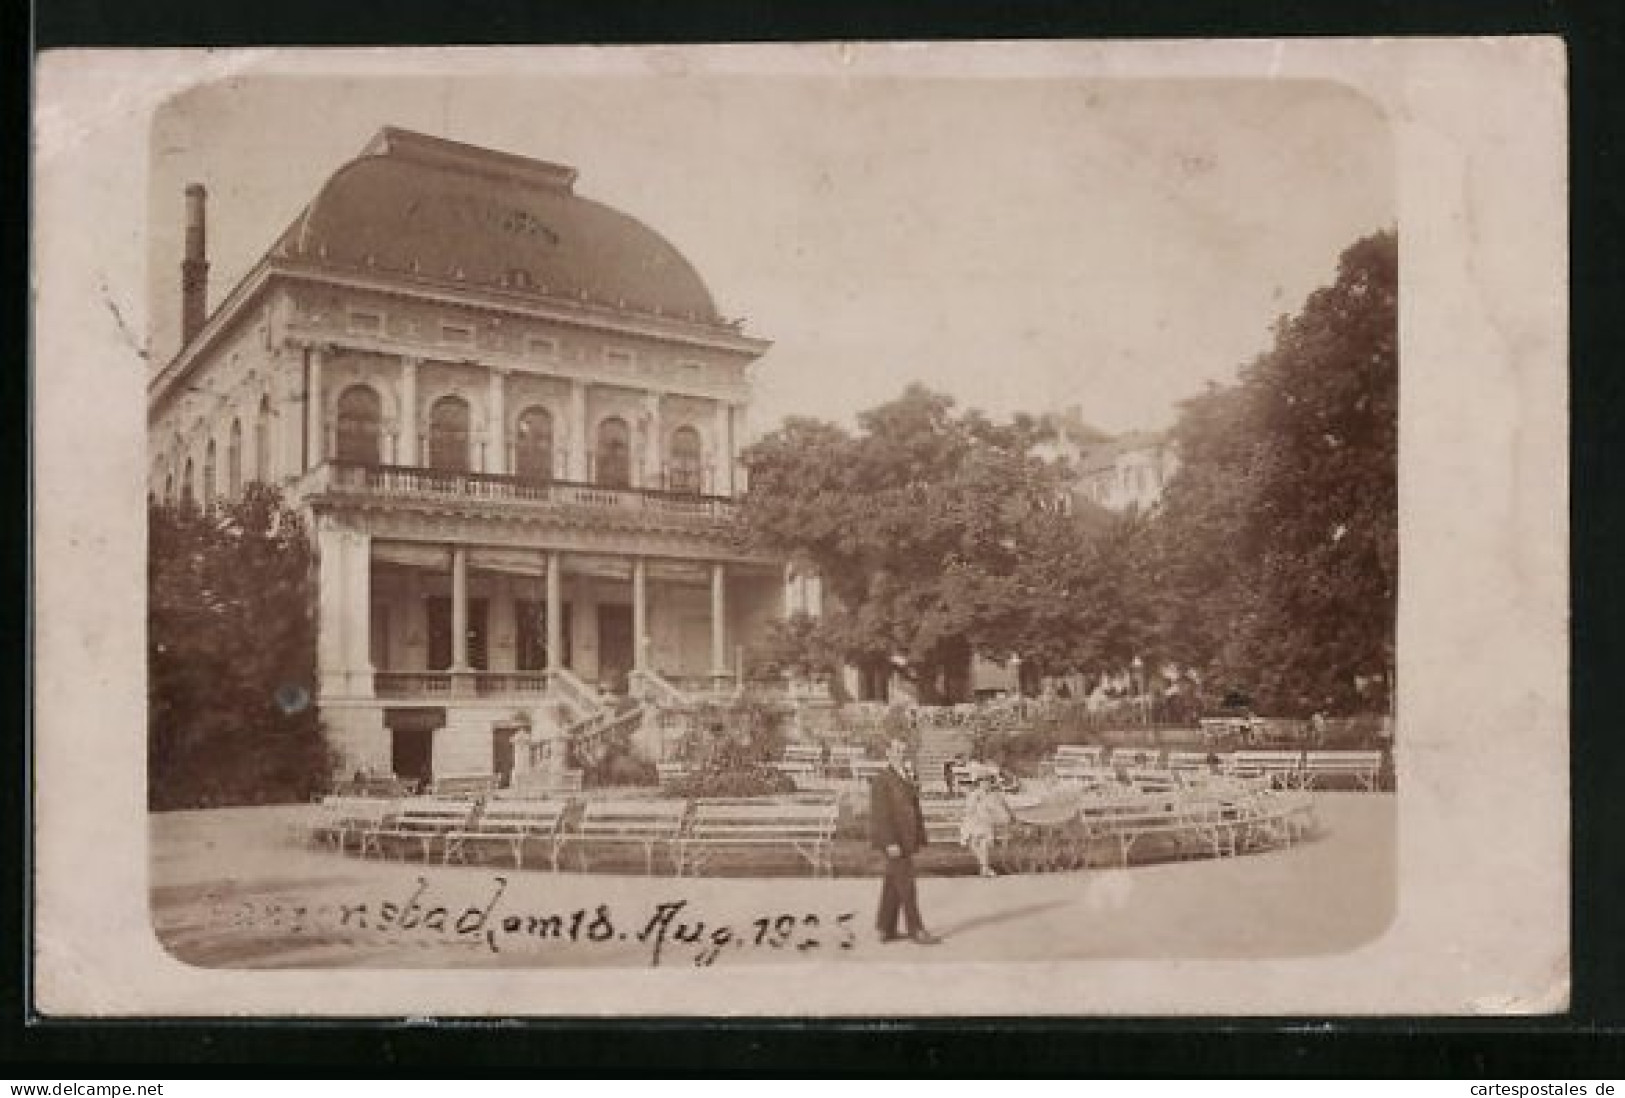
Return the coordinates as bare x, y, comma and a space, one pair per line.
751, 781
621, 770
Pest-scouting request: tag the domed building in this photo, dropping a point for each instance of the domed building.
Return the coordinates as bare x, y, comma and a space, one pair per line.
513, 416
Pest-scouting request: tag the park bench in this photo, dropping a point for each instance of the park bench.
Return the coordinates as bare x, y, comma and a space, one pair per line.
421, 820
671, 773
511, 822
1089, 753
804, 774
1152, 780
803, 827
1270, 818
1283, 768
342, 815
1086, 775
463, 785
803, 753
844, 759
942, 817
645, 824
865, 769
1362, 766
1124, 820
1185, 761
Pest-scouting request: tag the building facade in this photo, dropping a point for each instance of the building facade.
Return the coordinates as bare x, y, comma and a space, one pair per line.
1129, 471
513, 417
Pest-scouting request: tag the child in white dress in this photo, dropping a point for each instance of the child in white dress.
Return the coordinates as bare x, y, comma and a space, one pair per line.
985, 812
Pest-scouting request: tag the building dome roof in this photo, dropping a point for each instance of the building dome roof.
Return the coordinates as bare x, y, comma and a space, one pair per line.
440, 211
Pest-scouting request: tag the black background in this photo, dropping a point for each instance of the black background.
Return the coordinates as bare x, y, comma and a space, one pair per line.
1583, 1046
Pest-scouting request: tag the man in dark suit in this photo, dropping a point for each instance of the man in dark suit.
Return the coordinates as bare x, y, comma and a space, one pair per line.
897, 828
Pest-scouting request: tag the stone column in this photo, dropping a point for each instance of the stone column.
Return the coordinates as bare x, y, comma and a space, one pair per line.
496, 433
640, 616
315, 421
408, 453
331, 583
555, 614
719, 620
580, 444
724, 485
459, 610
739, 424
358, 613
654, 458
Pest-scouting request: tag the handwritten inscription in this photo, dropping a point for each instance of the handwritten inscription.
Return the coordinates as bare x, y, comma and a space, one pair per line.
672, 930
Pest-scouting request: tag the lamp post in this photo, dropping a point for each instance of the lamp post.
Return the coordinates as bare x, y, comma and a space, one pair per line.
1015, 663
1139, 686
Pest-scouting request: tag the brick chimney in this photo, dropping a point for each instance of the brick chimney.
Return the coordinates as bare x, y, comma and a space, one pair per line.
195, 266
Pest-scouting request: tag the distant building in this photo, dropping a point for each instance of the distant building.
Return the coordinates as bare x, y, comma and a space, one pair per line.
1131, 470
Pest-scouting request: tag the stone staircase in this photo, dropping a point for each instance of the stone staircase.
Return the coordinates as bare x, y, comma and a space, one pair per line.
936, 747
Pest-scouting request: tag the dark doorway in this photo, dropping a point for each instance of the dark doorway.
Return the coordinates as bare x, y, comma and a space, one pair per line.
502, 753
614, 645
411, 741
438, 610
531, 618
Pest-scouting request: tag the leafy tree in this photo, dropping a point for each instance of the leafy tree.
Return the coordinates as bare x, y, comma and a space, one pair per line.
231, 654
908, 522
1279, 537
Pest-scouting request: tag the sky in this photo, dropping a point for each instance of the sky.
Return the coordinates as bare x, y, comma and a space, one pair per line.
1021, 244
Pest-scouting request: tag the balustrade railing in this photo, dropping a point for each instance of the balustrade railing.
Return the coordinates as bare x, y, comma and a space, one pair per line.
411, 684
582, 698
415, 481
653, 687
419, 684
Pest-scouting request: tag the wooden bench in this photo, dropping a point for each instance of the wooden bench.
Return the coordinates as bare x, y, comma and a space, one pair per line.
671, 773
340, 816
511, 822
804, 774
865, 769
1185, 761
804, 827
422, 820
1283, 768
1363, 766
1079, 754
1127, 818
942, 816
1270, 818
463, 785
646, 824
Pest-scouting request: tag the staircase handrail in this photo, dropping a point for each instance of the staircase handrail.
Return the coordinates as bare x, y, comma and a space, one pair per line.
582, 698
655, 688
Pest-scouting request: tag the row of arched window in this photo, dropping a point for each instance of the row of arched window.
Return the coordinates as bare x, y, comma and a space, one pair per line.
234, 474
358, 440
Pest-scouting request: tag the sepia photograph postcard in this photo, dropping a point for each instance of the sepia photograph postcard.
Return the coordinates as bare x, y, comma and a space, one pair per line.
968, 529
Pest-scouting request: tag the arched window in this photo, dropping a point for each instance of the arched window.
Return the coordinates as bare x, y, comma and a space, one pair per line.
448, 434
612, 465
262, 441
359, 413
685, 461
234, 460
533, 448
208, 473
187, 495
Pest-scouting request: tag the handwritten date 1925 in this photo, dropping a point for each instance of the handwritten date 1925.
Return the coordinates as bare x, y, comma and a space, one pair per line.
801, 933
